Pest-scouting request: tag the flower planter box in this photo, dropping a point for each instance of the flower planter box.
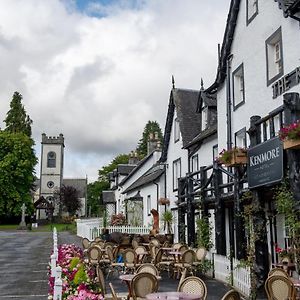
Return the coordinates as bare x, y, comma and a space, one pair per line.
239, 158
291, 144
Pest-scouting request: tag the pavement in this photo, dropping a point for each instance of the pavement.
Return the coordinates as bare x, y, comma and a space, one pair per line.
24, 257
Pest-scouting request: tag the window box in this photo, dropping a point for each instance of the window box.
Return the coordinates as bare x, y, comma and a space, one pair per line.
290, 135
233, 157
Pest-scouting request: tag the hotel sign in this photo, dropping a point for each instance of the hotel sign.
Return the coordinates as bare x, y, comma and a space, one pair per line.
286, 82
265, 163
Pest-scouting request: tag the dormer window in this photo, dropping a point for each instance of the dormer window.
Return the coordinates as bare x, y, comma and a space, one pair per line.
176, 130
204, 117
274, 56
251, 10
238, 86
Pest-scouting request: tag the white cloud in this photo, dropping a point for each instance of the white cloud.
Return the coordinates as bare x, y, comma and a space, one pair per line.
98, 80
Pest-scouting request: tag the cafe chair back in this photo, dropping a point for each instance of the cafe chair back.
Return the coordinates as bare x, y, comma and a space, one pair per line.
194, 285
135, 244
176, 246
280, 287
278, 271
85, 243
143, 284
148, 268
94, 255
183, 248
232, 295
130, 258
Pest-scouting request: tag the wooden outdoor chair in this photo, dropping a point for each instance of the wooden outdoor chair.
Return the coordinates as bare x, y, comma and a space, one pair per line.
280, 287
278, 271
94, 255
114, 295
148, 268
182, 277
113, 264
231, 295
194, 285
130, 260
143, 284
85, 243
186, 262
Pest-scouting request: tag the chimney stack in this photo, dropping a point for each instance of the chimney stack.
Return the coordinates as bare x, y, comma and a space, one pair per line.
153, 142
133, 158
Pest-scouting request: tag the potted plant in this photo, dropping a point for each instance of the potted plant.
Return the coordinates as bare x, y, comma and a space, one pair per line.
167, 218
233, 157
290, 135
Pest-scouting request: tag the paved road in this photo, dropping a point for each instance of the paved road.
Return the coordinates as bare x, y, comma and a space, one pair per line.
24, 258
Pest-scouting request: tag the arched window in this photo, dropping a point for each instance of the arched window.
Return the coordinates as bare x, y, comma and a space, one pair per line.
51, 160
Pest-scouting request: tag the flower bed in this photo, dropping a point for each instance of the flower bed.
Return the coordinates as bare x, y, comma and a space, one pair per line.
77, 278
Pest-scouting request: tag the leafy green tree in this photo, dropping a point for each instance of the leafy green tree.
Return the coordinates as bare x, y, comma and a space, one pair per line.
68, 199
17, 161
151, 127
16, 118
94, 195
120, 159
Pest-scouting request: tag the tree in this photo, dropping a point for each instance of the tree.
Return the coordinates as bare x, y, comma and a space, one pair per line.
16, 118
151, 127
120, 159
17, 161
68, 200
94, 195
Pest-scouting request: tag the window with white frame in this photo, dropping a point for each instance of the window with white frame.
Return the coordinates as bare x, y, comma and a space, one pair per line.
149, 204
176, 130
240, 138
195, 163
215, 152
274, 58
251, 10
238, 86
204, 117
176, 173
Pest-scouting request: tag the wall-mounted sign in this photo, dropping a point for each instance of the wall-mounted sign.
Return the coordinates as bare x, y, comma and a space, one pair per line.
265, 163
286, 82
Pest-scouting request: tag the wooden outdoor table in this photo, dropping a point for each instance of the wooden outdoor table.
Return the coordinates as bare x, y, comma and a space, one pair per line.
172, 296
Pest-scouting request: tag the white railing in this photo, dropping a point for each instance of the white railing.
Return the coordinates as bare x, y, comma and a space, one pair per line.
222, 268
241, 278
92, 228
235, 274
86, 227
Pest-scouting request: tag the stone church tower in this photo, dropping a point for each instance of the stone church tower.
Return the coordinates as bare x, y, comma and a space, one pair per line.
52, 161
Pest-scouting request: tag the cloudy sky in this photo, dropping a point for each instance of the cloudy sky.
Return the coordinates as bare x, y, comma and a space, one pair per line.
98, 70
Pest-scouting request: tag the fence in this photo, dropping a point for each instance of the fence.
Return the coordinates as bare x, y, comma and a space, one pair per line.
232, 272
91, 228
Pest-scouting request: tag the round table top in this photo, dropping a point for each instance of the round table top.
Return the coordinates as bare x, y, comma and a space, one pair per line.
172, 296
168, 248
296, 282
175, 252
129, 277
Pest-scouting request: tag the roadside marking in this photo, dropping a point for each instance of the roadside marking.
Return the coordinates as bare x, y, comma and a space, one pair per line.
41, 280
39, 271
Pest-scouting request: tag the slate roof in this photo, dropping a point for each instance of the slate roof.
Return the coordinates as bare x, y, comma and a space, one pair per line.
108, 197
125, 169
137, 167
150, 176
185, 103
80, 184
203, 135
209, 99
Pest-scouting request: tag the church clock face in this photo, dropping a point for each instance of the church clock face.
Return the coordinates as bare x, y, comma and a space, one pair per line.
50, 184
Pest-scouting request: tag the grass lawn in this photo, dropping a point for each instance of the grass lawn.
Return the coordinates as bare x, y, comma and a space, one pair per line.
43, 228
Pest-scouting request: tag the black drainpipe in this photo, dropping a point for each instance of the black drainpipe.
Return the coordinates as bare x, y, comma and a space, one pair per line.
228, 102
157, 195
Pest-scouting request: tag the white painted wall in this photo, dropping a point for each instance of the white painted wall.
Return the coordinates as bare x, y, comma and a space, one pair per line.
249, 48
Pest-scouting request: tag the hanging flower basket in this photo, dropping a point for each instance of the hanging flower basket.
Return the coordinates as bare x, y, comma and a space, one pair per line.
290, 135
164, 201
233, 157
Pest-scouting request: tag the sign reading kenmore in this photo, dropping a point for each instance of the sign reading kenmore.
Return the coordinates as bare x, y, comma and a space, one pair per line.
265, 163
